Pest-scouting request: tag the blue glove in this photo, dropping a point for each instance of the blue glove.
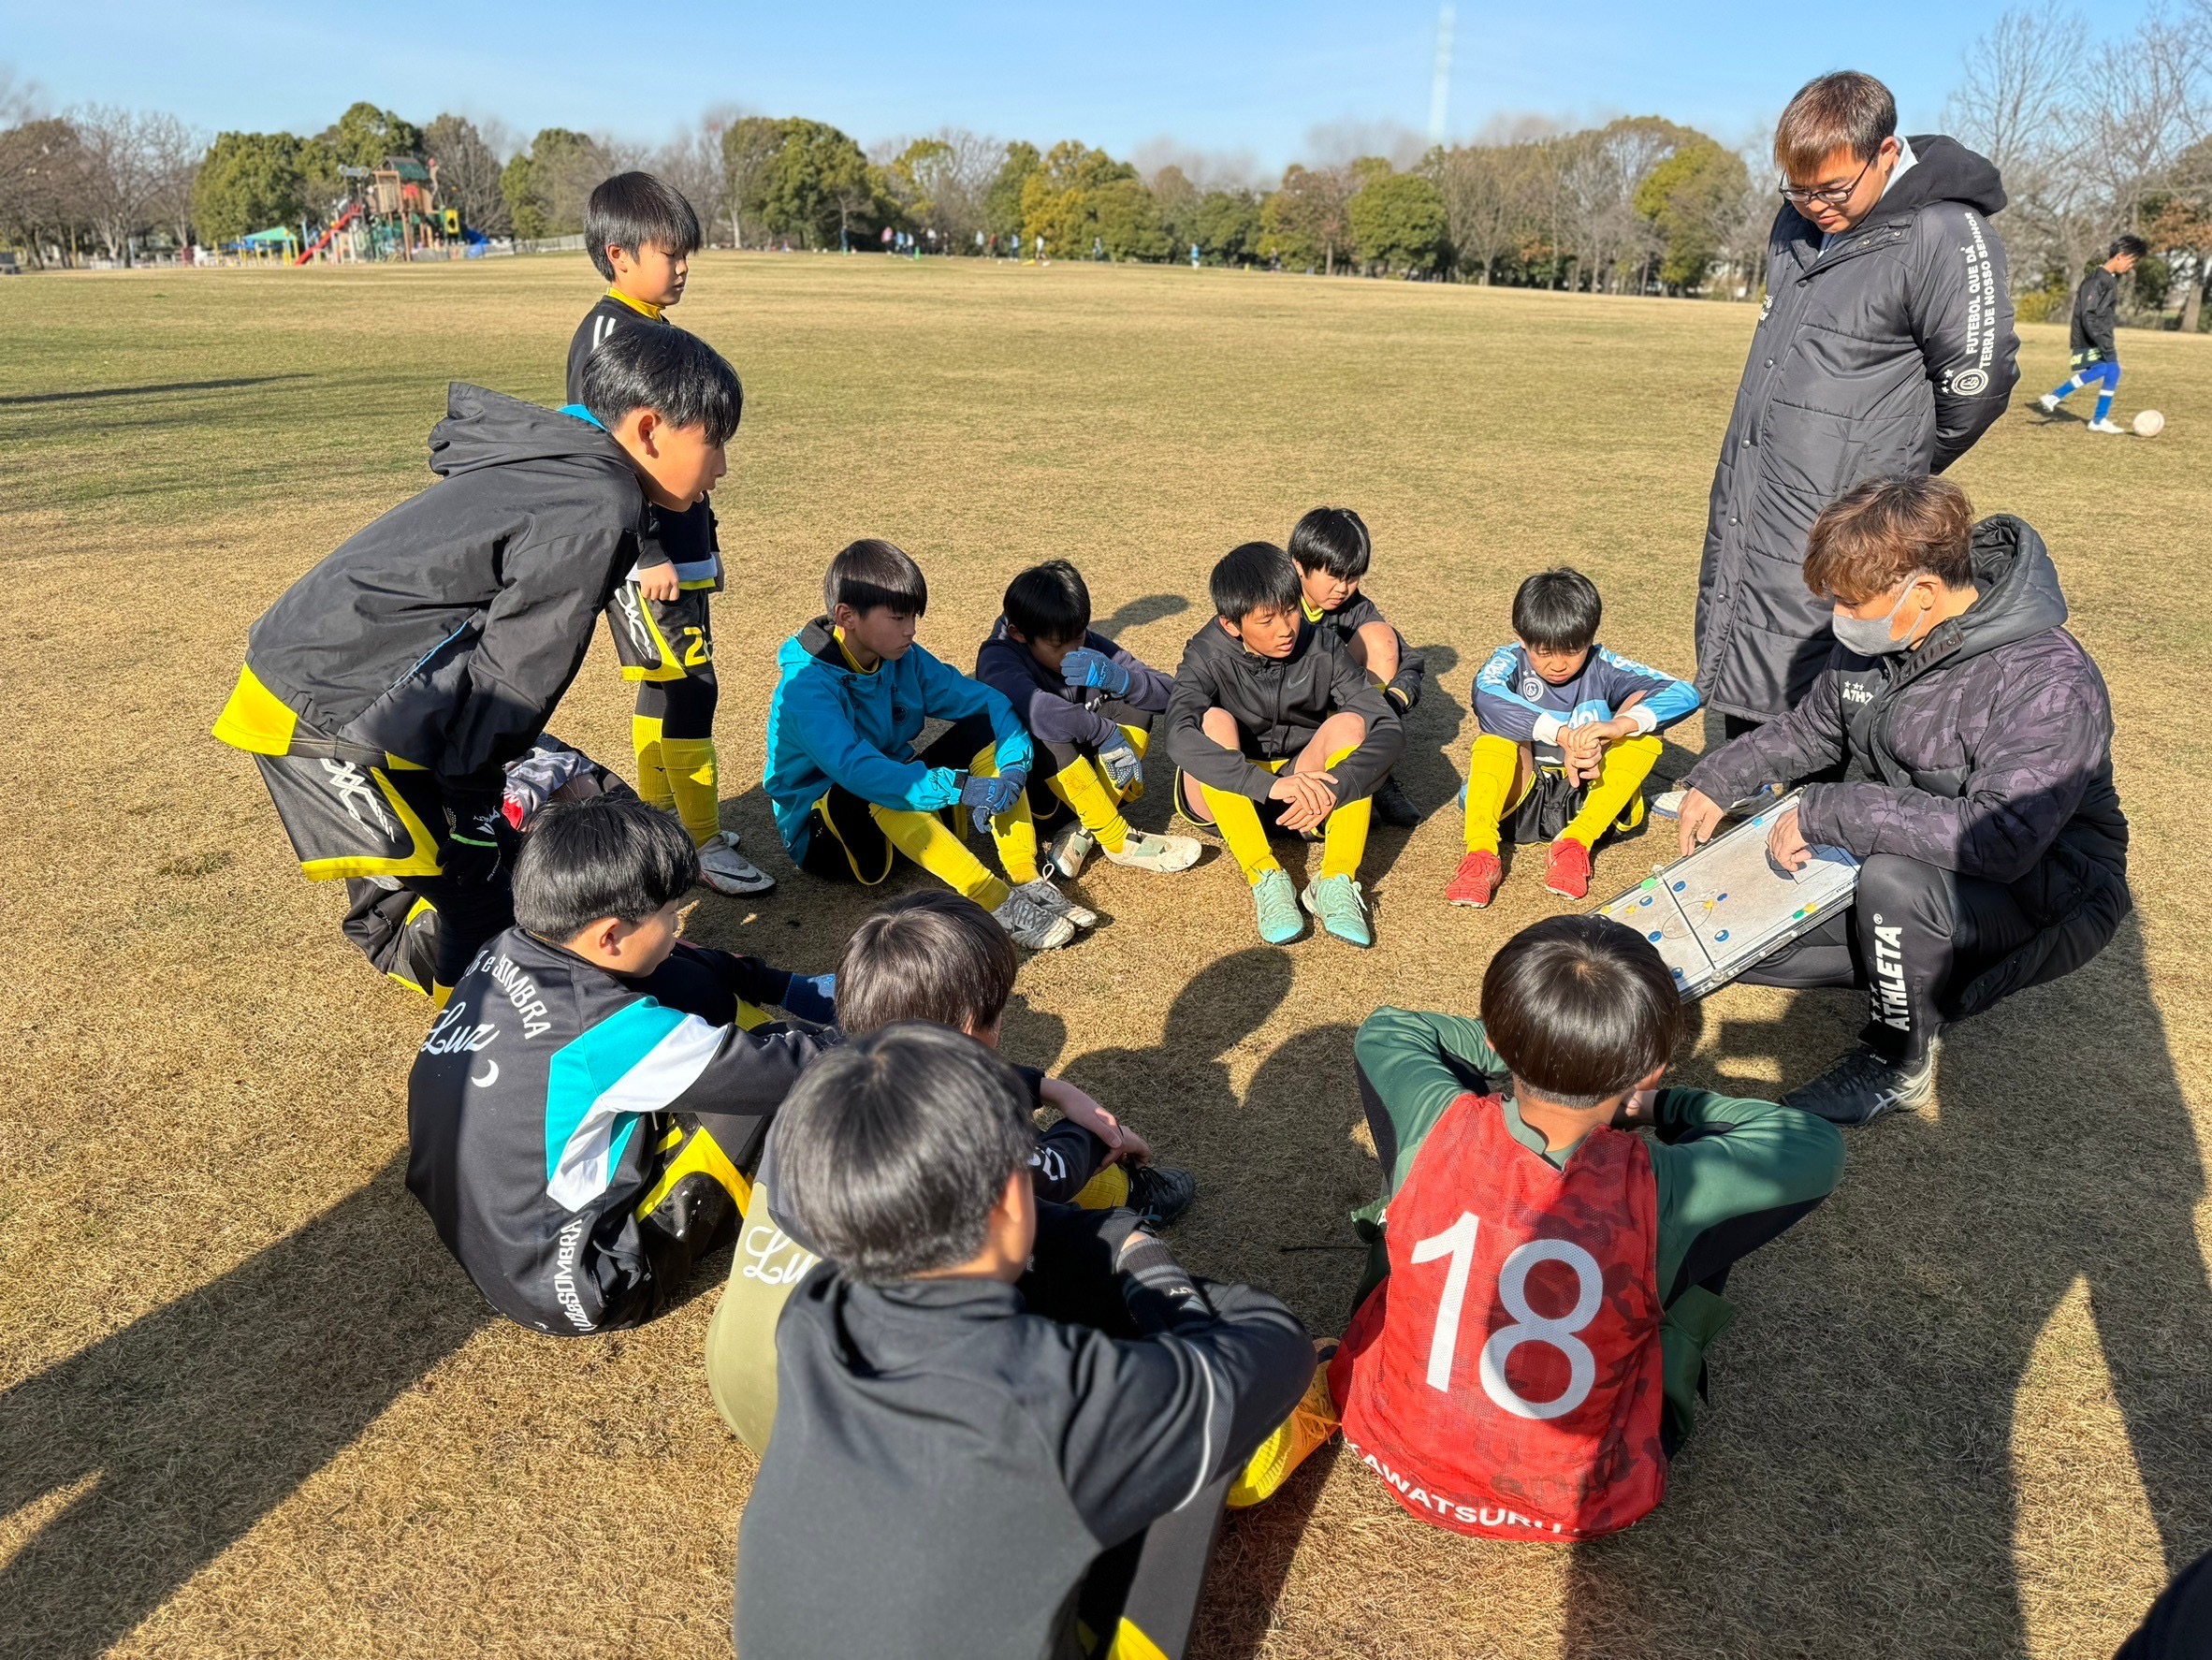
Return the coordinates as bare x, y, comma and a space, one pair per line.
991, 797
812, 996
1094, 671
1122, 763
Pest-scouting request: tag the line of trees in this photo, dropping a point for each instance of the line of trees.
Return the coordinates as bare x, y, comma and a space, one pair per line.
2093, 139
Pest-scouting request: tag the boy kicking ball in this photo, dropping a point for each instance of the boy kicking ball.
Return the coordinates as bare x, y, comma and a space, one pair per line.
1269, 712
1570, 730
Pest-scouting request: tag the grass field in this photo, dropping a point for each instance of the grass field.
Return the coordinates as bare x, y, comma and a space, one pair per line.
251, 1408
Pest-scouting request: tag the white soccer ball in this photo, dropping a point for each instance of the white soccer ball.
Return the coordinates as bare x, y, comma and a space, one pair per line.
2150, 423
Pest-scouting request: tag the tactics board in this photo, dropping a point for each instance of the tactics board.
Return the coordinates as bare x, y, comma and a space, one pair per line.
1715, 912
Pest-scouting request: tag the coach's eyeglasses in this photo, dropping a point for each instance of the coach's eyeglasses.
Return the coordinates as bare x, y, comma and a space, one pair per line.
1835, 197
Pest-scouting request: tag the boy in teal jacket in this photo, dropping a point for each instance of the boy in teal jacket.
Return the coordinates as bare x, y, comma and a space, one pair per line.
849, 792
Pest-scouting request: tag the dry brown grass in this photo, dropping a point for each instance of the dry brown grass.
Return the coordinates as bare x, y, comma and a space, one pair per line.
253, 1409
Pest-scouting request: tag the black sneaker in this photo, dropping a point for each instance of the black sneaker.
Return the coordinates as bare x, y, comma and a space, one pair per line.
1394, 805
1862, 1086
1160, 1193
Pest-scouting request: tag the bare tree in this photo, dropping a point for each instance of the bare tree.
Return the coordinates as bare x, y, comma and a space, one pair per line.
693, 162
175, 150
2015, 103
123, 174
468, 160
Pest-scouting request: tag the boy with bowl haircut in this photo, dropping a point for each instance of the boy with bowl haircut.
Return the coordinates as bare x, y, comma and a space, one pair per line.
935, 957
1090, 705
1270, 710
1534, 1350
386, 691
1332, 550
1569, 733
642, 233
960, 1435
849, 791
578, 1114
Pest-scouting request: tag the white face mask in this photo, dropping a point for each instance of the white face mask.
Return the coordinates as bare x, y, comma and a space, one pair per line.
1869, 637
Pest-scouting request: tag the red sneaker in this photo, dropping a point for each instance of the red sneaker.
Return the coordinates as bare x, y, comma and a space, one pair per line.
1477, 880
1566, 869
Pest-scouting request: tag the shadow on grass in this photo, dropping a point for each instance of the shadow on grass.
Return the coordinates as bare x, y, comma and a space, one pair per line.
1428, 771
1852, 1490
1137, 613
194, 1422
19, 398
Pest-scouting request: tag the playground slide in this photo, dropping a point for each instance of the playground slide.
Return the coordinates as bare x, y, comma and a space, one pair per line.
353, 212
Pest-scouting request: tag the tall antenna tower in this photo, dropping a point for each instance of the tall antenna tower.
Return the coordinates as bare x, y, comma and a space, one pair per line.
1440, 89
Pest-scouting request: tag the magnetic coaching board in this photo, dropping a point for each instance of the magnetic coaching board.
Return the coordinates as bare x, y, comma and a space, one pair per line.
1715, 912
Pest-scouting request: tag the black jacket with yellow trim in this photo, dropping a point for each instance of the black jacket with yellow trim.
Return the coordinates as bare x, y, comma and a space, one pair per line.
1278, 704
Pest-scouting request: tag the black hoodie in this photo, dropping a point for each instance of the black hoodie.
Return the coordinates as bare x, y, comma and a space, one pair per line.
445, 630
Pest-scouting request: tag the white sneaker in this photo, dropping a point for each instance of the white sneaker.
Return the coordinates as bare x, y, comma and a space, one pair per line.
1668, 806
1143, 850
1070, 849
2108, 424
726, 870
1046, 898
1031, 927
2048, 405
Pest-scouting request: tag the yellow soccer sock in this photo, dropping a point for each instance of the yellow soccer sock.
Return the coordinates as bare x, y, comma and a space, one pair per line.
1082, 784
1107, 1190
1311, 1423
689, 764
1628, 763
700, 1153
1344, 839
652, 777
1490, 766
926, 840
1016, 829
1238, 819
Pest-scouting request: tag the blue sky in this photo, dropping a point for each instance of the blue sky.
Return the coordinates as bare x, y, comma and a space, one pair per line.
1268, 82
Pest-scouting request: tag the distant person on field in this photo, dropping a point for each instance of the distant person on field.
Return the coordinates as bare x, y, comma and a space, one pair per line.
1974, 739
1332, 552
2096, 357
642, 234
1549, 1281
978, 1397
849, 792
929, 956
1269, 713
1090, 706
1885, 345
580, 1115
387, 691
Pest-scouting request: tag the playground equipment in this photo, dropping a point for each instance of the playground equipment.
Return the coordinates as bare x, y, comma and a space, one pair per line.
391, 212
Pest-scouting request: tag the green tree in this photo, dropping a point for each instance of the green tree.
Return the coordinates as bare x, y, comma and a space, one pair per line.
1690, 199
547, 185
818, 184
1398, 221
750, 144
1002, 199
1307, 220
251, 180
1083, 195
365, 135
1226, 227
1177, 199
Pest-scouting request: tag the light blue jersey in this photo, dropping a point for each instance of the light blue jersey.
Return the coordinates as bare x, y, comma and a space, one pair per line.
1513, 701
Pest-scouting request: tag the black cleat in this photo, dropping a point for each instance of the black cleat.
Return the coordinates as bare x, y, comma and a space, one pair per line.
1394, 805
1160, 1193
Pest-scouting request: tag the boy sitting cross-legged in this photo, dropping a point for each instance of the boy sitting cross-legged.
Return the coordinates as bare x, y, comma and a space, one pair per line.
1090, 706
978, 1397
850, 792
1332, 550
1535, 1350
578, 1114
1271, 711
1569, 733
935, 957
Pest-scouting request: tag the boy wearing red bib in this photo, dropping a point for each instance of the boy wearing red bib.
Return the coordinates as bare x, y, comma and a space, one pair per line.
1536, 1351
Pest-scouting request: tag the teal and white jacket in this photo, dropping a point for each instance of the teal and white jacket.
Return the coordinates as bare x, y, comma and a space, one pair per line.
829, 724
537, 1109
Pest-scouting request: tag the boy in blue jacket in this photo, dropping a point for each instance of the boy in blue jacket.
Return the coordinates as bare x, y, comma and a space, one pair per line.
1570, 730
849, 792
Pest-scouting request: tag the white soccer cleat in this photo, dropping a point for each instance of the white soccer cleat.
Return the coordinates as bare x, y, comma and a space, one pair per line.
1031, 927
1046, 898
2108, 424
1141, 850
726, 870
1069, 850
1668, 805
2048, 405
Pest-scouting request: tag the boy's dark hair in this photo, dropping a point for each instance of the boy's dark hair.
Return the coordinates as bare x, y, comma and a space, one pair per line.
870, 573
610, 856
1580, 1007
929, 956
2134, 246
891, 1149
1558, 609
1331, 539
1833, 111
1257, 576
1049, 603
676, 374
1890, 526
631, 209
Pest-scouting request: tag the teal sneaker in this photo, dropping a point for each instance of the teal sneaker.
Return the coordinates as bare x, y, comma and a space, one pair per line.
1335, 899
1277, 902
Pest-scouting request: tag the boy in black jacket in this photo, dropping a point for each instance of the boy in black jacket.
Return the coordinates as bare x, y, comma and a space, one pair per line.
1270, 710
578, 1114
385, 693
2096, 354
959, 1436
1090, 706
1332, 550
